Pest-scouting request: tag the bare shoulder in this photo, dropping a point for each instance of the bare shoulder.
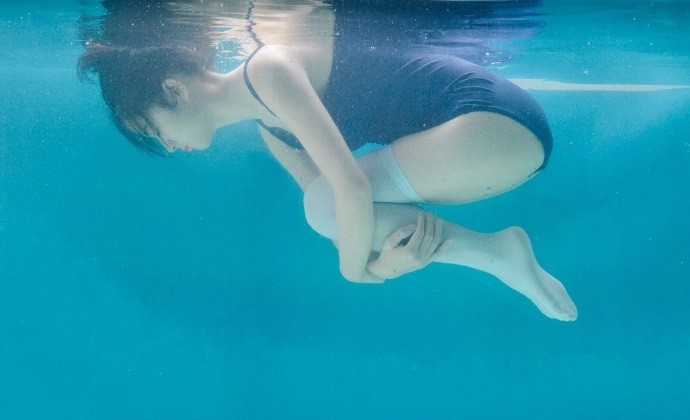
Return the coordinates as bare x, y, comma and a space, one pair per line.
314, 61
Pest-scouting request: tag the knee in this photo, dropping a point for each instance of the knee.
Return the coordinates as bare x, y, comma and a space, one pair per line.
319, 207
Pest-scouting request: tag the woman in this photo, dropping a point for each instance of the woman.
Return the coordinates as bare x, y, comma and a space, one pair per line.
451, 132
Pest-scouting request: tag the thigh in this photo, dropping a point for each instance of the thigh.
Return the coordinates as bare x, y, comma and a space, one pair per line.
468, 158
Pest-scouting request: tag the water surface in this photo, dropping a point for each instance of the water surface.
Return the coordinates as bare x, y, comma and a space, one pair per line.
191, 287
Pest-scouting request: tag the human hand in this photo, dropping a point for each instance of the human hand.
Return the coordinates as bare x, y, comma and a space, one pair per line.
410, 248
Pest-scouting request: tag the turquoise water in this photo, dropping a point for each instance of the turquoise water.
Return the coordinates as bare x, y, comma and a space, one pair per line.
191, 287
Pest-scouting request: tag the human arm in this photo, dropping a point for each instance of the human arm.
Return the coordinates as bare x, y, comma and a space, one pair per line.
283, 84
401, 253
410, 248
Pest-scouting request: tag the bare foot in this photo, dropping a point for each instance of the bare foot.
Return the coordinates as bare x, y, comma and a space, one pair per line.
517, 267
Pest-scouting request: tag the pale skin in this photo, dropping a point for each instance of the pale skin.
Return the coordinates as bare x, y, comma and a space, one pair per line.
466, 159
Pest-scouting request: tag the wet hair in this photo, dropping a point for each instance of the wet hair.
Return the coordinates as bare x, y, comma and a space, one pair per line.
131, 82
131, 52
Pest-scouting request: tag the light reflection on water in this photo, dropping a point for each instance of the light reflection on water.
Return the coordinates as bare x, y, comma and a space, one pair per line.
477, 31
550, 38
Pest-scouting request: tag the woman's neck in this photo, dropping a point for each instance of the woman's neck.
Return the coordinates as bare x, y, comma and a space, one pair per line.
223, 97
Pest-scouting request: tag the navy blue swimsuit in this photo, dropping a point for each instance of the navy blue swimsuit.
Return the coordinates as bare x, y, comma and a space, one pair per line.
379, 95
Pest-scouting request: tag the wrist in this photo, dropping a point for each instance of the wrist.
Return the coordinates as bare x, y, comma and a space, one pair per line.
362, 276
374, 278
377, 269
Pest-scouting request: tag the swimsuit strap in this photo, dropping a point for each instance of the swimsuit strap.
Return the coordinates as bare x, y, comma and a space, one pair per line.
282, 134
249, 83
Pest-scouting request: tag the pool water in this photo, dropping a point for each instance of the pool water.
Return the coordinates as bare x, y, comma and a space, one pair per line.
191, 287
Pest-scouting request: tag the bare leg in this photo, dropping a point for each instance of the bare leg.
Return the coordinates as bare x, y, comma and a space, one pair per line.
467, 159
506, 254
470, 158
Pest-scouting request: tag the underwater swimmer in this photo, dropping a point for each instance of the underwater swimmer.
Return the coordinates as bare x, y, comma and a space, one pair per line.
451, 132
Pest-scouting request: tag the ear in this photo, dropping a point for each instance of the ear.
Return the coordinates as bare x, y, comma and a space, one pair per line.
175, 90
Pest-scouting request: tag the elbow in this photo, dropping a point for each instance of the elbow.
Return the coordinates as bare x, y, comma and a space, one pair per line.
361, 277
351, 275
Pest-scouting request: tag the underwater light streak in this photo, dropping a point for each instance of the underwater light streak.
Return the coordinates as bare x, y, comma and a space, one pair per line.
543, 84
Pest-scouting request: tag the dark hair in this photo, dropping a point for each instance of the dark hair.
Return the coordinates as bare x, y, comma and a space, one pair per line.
132, 52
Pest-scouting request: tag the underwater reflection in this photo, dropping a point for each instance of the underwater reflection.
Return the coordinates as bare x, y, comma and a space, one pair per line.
477, 31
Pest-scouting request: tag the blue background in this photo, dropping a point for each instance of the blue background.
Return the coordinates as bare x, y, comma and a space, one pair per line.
191, 287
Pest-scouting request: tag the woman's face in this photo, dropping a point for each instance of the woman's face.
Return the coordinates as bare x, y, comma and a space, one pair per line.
181, 128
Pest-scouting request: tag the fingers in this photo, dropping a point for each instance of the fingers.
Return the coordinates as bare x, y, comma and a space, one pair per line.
397, 237
418, 235
430, 241
440, 250
434, 235
427, 237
